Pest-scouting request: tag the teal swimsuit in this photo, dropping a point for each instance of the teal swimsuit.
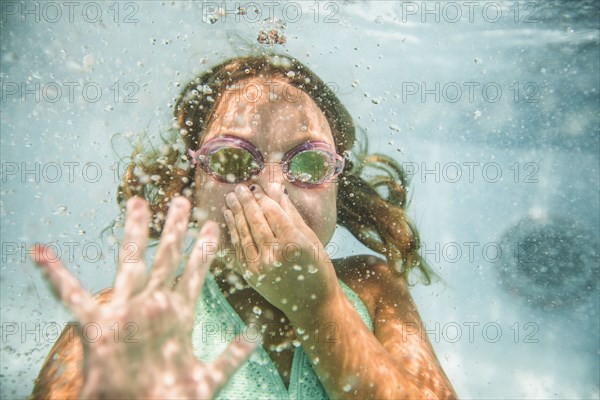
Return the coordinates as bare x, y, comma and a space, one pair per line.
217, 324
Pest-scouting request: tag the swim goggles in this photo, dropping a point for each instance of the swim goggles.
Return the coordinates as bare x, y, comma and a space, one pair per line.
232, 159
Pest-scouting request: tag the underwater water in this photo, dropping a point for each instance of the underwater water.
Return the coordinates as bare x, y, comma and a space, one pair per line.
491, 107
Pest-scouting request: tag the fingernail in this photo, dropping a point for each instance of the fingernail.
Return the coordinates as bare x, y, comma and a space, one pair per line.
134, 203
35, 252
179, 202
230, 199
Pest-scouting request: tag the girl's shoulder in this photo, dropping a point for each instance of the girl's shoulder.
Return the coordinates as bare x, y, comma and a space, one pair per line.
365, 269
371, 278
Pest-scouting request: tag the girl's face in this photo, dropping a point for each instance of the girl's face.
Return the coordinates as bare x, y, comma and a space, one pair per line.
275, 117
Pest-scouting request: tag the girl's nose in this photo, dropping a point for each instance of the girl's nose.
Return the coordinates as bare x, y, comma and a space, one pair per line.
271, 173
272, 180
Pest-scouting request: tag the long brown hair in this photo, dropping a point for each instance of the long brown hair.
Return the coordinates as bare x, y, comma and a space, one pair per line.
372, 209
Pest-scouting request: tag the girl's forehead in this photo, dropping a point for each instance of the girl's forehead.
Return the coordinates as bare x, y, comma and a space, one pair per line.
270, 120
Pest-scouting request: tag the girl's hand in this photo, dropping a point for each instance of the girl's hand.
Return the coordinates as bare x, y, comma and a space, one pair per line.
279, 255
152, 355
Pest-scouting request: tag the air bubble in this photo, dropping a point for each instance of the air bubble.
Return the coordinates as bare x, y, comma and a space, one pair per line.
168, 379
304, 177
88, 61
60, 209
230, 178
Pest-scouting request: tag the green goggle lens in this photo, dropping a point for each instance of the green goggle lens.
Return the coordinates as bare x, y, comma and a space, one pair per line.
233, 164
310, 166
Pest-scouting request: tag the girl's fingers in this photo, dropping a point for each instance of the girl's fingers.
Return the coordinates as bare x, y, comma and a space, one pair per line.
235, 239
292, 211
204, 252
169, 249
274, 190
259, 227
297, 219
221, 369
247, 243
278, 220
278, 192
63, 284
131, 276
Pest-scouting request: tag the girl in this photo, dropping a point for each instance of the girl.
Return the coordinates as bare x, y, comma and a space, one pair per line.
269, 145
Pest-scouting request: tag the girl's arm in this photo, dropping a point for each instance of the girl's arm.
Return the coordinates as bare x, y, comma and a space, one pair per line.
396, 361
358, 364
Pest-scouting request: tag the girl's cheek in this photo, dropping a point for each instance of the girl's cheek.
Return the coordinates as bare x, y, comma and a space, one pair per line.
210, 199
318, 209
